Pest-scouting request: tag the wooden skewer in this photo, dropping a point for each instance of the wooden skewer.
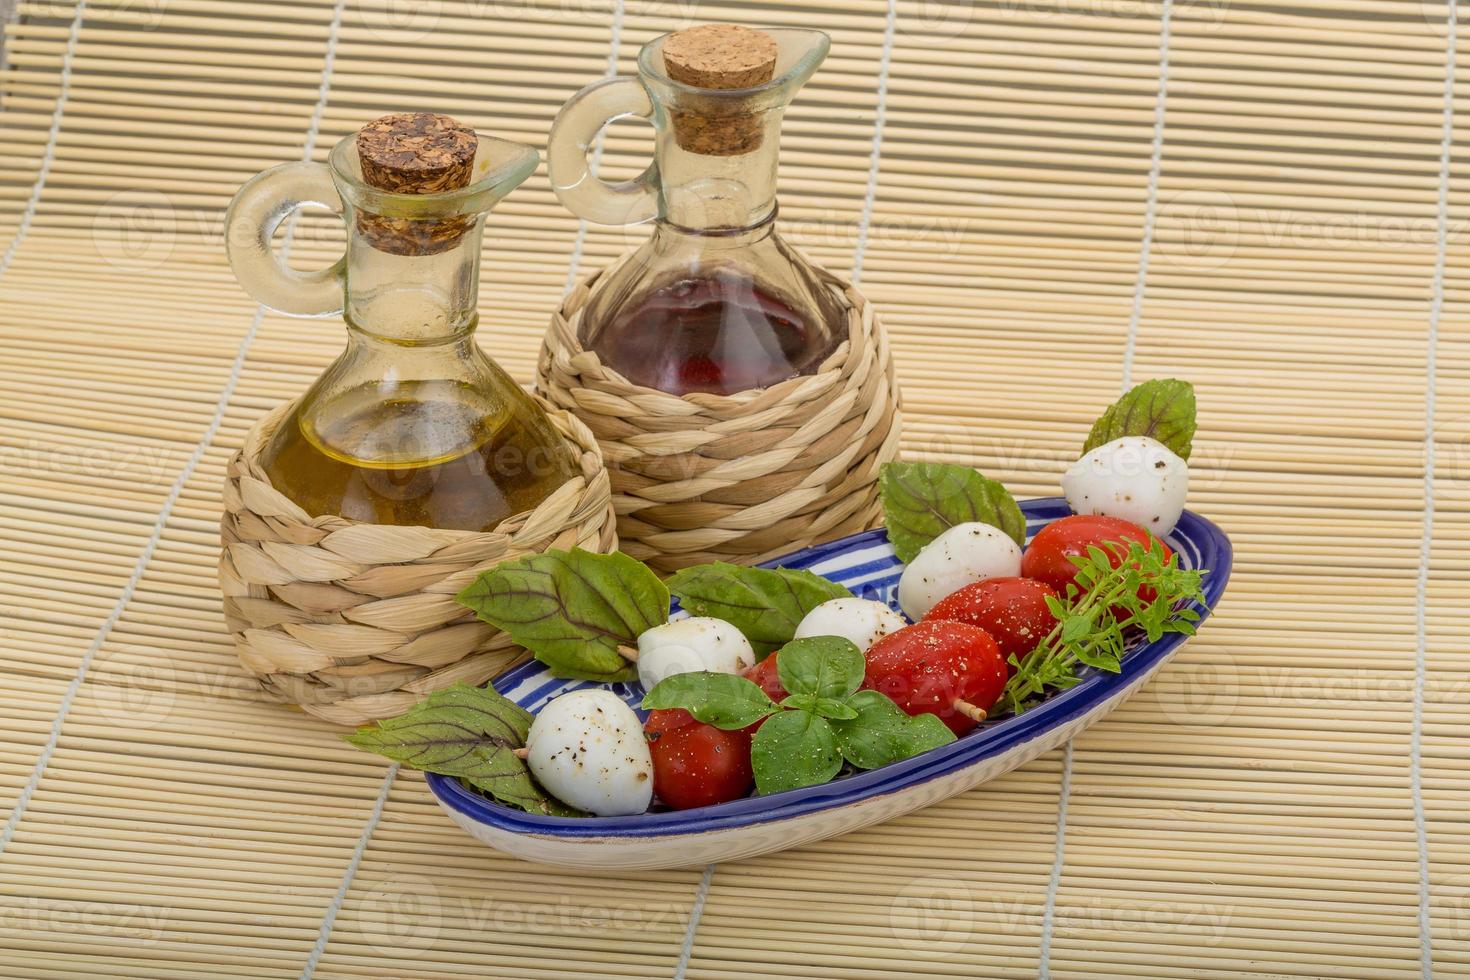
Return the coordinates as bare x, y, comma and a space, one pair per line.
628, 653
521, 752
977, 715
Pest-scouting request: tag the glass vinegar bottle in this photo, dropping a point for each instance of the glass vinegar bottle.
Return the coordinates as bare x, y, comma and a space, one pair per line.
715, 300
412, 424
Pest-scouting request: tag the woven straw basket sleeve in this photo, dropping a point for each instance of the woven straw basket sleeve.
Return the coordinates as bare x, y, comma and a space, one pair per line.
742, 477
356, 622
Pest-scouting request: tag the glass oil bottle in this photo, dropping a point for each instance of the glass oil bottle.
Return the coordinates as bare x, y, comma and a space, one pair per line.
412, 424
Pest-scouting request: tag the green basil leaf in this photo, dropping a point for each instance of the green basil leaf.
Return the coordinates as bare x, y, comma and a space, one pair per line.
1162, 409
766, 604
572, 609
515, 787
881, 733
923, 500
726, 701
469, 732
794, 749
922, 733
799, 702
834, 709
821, 666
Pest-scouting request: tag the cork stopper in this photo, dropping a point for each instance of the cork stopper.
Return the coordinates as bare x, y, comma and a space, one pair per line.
719, 57
415, 153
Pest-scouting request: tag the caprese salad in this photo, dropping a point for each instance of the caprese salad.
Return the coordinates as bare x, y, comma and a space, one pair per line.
774, 679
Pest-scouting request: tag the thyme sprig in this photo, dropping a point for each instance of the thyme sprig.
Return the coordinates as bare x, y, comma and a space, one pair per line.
1101, 610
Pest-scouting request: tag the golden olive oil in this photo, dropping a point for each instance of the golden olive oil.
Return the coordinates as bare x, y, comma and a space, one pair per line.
433, 453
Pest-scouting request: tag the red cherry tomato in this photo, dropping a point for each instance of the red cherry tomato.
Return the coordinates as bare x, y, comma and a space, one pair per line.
765, 677
1046, 555
937, 667
1012, 610
695, 764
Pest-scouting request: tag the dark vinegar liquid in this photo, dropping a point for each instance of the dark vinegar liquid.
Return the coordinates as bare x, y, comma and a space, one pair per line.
718, 334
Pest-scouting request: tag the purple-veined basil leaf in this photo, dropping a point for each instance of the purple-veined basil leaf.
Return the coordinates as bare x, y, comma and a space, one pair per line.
923, 500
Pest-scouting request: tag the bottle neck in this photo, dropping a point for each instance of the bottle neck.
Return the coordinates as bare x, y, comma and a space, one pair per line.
413, 300
701, 192
676, 242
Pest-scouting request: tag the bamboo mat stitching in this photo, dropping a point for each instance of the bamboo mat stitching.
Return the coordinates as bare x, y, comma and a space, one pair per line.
177, 488
696, 911
1130, 344
1054, 880
612, 71
48, 155
875, 158
1151, 201
324, 934
1421, 587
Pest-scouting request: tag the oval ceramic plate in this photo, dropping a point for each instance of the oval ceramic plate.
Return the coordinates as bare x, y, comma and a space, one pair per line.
866, 564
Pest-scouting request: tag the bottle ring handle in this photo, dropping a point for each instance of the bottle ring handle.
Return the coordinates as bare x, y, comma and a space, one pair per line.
259, 208
572, 137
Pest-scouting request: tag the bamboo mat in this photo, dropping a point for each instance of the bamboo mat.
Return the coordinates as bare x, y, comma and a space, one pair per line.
1046, 199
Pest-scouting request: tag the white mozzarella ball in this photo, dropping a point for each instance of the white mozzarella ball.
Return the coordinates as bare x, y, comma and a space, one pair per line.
1134, 478
587, 749
863, 621
965, 553
696, 643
